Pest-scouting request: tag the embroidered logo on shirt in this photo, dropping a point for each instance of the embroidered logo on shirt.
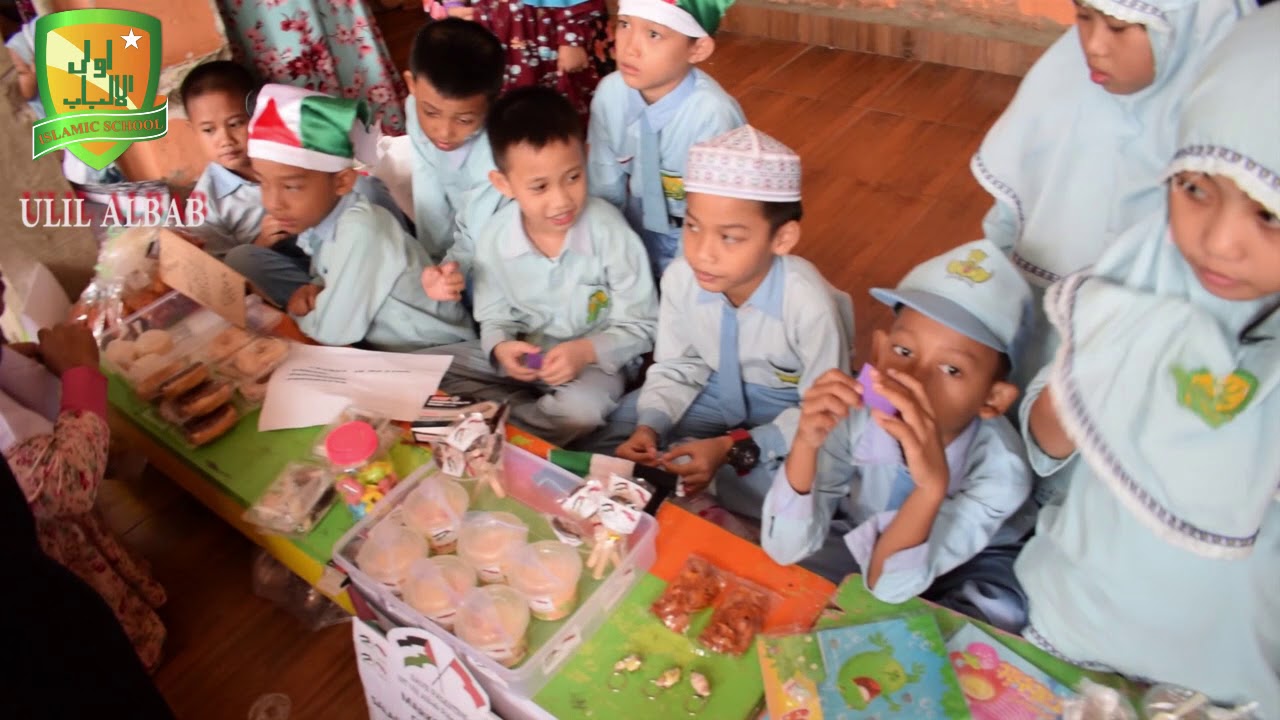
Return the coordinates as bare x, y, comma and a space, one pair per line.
598, 301
970, 268
1215, 401
673, 186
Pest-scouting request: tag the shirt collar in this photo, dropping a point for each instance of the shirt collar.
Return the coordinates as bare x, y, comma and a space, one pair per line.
224, 182
660, 113
311, 239
767, 298
957, 452
516, 242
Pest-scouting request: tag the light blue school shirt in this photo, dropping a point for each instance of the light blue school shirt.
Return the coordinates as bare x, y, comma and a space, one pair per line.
452, 195
599, 287
989, 483
371, 270
697, 110
793, 328
233, 210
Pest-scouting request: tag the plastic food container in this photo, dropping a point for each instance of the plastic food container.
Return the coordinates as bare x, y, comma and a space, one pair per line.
435, 510
493, 619
435, 587
389, 552
487, 541
362, 469
547, 574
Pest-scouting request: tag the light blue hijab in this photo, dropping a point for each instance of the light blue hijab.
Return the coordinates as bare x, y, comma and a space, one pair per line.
1173, 394
1076, 164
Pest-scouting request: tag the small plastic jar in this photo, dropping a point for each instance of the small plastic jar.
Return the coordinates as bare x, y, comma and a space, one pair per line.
547, 574
363, 473
389, 551
435, 587
435, 510
493, 619
487, 540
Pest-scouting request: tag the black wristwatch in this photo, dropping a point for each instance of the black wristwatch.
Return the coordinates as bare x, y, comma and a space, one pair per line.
745, 453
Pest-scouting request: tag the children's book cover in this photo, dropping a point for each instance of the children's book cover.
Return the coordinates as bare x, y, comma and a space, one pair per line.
895, 668
1000, 685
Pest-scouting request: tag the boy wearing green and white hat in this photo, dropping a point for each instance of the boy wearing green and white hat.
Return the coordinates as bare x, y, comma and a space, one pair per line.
926, 479
648, 114
365, 268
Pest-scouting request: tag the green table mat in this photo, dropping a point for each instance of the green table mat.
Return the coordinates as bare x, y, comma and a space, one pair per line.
244, 462
581, 688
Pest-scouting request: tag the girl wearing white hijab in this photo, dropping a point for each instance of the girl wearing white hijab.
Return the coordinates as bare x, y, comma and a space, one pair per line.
1076, 158
1161, 560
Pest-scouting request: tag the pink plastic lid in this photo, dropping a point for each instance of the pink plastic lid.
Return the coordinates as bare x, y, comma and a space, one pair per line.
351, 443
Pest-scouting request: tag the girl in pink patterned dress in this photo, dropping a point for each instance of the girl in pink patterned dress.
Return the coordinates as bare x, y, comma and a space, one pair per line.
58, 451
560, 44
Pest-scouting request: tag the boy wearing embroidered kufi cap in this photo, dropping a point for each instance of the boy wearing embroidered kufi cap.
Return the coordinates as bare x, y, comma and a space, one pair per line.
744, 328
364, 267
646, 116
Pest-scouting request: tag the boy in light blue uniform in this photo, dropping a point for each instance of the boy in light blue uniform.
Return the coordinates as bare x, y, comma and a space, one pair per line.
456, 72
364, 283
931, 485
646, 116
1161, 559
744, 328
563, 294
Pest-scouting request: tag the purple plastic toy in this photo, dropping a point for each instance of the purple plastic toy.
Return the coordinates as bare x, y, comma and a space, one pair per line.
870, 397
533, 361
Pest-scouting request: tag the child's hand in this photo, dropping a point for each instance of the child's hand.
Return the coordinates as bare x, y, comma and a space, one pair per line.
509, 355
824, 405
570, 58
641, 447
443, 283
303, 300
67, 346
705, 458
270, 232
565, 361
916, 429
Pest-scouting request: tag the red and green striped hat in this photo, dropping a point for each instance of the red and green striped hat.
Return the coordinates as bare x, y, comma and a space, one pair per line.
695, 18
311, 130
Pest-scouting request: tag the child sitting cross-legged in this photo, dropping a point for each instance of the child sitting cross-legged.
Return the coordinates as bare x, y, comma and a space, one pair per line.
932, 486
563, 294
364, 268
743, 329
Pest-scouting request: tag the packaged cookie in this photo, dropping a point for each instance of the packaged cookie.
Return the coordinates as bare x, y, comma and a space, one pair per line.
737, 619
696, 587
301, 494
257, 359
199, 401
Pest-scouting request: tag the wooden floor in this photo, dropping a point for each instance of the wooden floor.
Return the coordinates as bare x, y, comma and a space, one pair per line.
886, 145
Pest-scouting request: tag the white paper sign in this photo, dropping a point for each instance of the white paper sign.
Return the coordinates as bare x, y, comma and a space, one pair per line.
432, 681
374, 660
315, 383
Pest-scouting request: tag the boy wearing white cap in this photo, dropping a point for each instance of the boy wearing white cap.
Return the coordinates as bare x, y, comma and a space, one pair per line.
930, 473
364, 268
646, 116
743, 328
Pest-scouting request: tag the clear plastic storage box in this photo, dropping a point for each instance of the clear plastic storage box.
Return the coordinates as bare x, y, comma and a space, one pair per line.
540, 486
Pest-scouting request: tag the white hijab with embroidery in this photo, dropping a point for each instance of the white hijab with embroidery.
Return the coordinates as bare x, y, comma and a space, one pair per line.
1172, 394
1077, 165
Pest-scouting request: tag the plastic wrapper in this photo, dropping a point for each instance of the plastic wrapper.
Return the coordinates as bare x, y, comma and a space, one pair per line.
487, 541
274, 582
547, 574
301, 494
494, 620
1097, 702
126, 280
737, 619
436, 586
695, 588
363, 473
256, 359
389, 551
435, 510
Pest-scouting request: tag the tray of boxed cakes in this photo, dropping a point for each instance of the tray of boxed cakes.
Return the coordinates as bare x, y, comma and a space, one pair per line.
500, 558
200, 373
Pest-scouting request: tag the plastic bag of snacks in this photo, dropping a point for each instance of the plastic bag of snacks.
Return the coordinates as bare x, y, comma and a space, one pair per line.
487, 541
435, 510
738, 617
436, 586
301, 494
126, 279
695, 588
389, 551
547, 574
494, 620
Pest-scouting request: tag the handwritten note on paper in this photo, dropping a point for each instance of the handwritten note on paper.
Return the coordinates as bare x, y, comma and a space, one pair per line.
187, 269
315, 383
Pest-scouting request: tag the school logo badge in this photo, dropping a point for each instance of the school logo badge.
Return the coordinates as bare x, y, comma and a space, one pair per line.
970, 268
596, 304
98, 71
1215, 401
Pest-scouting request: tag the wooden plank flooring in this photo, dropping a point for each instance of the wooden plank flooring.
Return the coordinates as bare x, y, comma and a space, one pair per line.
886, 145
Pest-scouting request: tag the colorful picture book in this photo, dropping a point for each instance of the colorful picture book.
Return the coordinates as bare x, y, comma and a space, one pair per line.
1000, 685
896, 668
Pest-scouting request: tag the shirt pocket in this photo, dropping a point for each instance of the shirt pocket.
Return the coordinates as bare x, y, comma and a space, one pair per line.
786, 372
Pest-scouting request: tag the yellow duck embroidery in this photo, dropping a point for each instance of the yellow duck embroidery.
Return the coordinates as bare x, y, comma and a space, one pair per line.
598, 301
1215, 401
969, 268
